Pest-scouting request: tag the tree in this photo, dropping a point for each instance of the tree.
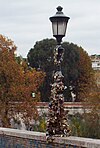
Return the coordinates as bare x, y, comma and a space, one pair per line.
86, 125
41, 57
79, 71
76, 68
17, 83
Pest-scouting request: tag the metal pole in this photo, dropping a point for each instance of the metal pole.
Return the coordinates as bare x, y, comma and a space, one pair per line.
57, 123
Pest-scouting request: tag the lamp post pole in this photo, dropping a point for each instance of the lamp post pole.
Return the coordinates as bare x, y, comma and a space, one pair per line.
57, 124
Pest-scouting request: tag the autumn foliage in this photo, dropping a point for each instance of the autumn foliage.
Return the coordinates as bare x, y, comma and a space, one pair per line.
17, 83
85, 81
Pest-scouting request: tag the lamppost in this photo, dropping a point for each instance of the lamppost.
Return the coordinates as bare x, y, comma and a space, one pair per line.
57, 124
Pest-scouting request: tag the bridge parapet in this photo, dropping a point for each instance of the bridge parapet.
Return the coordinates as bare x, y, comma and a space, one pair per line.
14, 138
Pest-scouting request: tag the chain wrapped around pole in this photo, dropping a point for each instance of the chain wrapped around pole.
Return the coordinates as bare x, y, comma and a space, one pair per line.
57, 123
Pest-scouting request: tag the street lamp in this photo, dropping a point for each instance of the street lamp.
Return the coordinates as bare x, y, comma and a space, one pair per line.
57, 123
59, 24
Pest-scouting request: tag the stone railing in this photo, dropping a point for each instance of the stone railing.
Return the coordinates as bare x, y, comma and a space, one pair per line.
71, 107
13, 138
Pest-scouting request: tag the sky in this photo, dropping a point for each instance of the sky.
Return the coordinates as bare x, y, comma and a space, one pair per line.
27, 21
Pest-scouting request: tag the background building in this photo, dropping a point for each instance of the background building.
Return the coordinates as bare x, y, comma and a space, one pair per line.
96, 67
95, 61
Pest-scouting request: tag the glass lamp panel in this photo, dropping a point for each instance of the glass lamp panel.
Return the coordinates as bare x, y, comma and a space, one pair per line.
54, 28
62, 28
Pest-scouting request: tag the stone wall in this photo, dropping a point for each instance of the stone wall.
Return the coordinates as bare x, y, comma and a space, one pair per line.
13, 138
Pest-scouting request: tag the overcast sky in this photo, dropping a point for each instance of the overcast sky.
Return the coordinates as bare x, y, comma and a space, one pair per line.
27, 21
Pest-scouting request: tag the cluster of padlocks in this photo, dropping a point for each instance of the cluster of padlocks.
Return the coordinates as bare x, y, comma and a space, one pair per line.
57, 124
